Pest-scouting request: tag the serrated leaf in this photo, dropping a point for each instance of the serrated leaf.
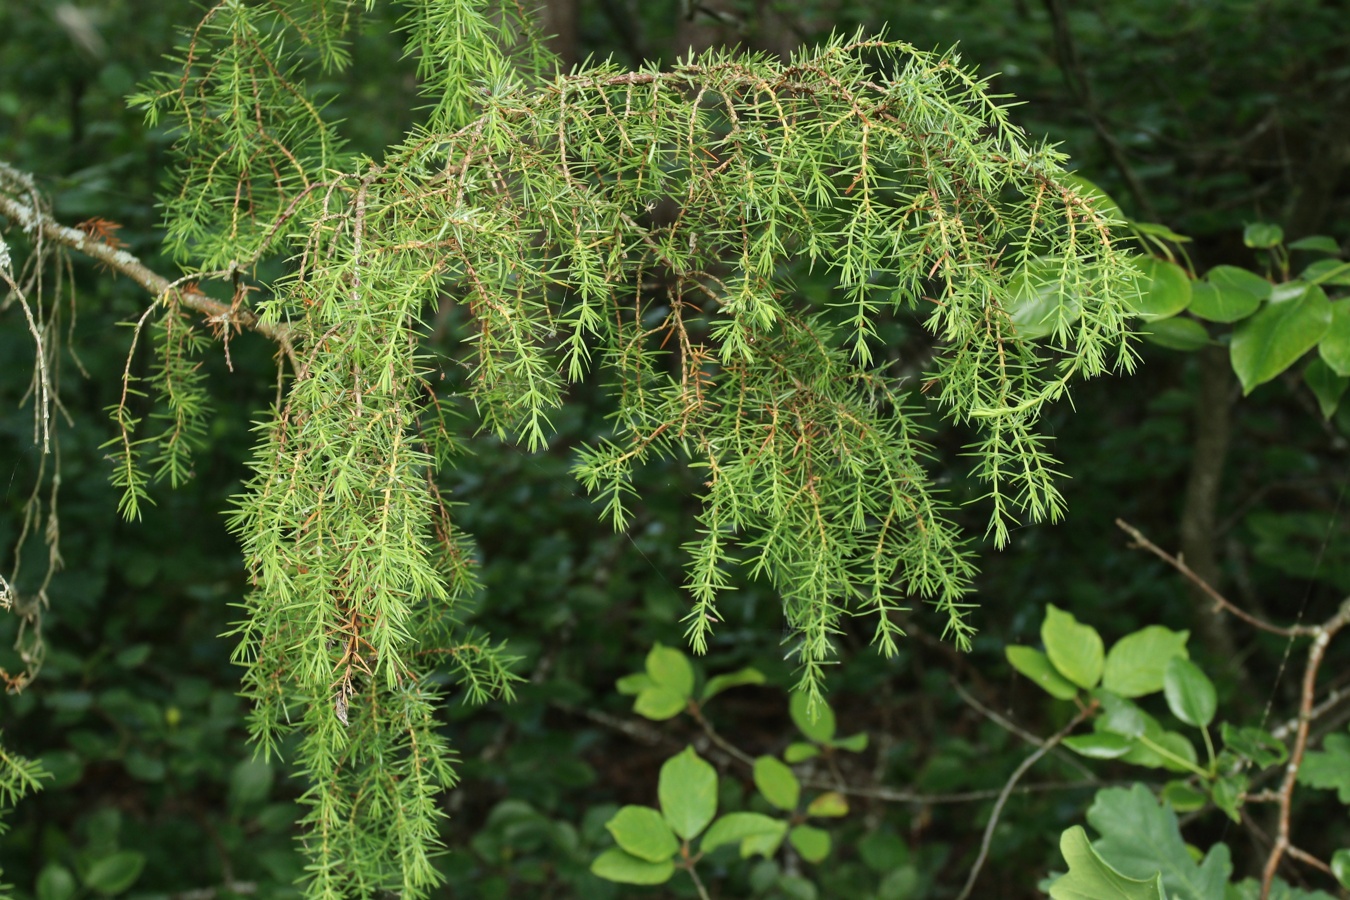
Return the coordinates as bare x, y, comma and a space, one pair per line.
812, 843
659, 703
719, 683
1138, 661
1183, 797
1099, 745
1186, 335
1256, 744
1334, 348
642, 832
1036, 666
1164, 289
670, 669
624, 868
1227, 795
1326, 385
114, 873
1329, 768
636, 683
1074, 649
830, 804
1140, 836
854, 743
1092, 878
1272, 340
816, 722
687, 789
800, 751
777, 783
1261, 235
1190, 694
735, 827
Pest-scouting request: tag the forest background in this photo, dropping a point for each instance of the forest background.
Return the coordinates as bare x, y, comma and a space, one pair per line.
1204, 117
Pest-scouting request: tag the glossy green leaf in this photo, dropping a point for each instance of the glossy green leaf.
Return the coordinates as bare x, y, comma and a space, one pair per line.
1256, 744
1119, 716
1228, 294
1326, 385
800, 751
1327, 271
641, 831
1039, 300
114, 873
1099, 745
812, 843
829, 805
1164, 289
1186, 335
735, 827
670, 669
659, 703
55, 882
1190, 694
816, 722
1227, 795
1137, 662
1272, 340
1174, 752
1184, 797
624, 868
854, 743
1074, 649
1091, 878
687, 789
1140, 836
1334, 348
1340, 867
1261, 235
1036, 665
1318, 243
777, 783
719, 683
1153, 229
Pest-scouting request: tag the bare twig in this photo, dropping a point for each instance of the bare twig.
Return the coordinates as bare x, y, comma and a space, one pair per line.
1220, 601
1045, 747
1009, 725
31, 219
1322, 635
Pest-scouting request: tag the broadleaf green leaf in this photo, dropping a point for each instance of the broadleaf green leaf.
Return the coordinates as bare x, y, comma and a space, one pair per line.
1326, 385
1091, 878
733, 828
616, 865
670, 669
1329, 768
1272, 340
777, 783
1036, 665
633, 684
55, 882
687, 788
1262, 235
1075, 649
816, 722
1137, 662
115, 872
1186, 335
1164, 289
1099, 745
812, 843
800, 751
1190, 694
1318, 243
830, 804
1256, 744
854, 743
659, 703
642, 832
719, 683
1334, 348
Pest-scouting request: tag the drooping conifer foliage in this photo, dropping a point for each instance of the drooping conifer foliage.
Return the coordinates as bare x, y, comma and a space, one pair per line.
631, 227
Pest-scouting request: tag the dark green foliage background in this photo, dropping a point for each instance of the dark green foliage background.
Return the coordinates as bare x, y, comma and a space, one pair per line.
1226, 113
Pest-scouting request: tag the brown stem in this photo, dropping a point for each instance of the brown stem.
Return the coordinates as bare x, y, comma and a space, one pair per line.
1322, 635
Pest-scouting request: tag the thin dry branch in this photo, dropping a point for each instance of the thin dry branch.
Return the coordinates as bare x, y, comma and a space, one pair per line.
221, 315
